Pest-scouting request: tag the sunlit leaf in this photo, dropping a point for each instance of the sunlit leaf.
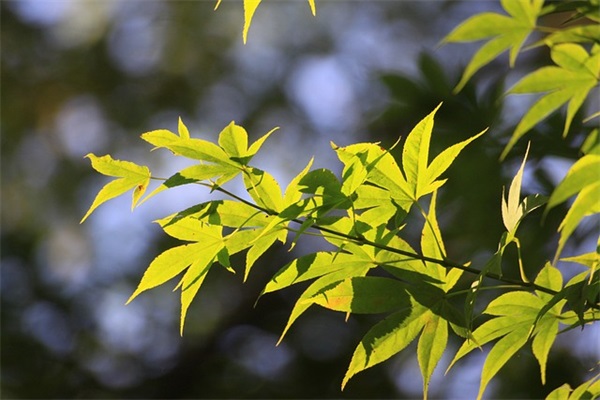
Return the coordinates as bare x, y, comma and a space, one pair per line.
512, 209
312, 266
387, 338
576, 73
502, 351
259, 246
504, 32
308, 297
415, 154
581, 174
292, 192
168, 265
196, 149
263, 189
586, 203
441, 163
430, 349
250, 7
233, 139
131, 176
194, 277
182, 130
196, 173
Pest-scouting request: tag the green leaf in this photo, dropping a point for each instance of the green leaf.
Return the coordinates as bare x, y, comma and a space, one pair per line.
583, 173
190, 228
524, 10
131, 176
168, 265
590, 260
196, 149
589, 389
364, 295
486, 332
547, 329
194, 277
415, 153
387, 338
292, 192
313, 8
441, 163
560, 393
432, 244
263, 189
571, 81
233, 139
250, 7
321, 284
196, 173
585, 204
430, 349
313, 266
504, 33
502, 351
255, 147
259, 246
576, 34
383, 171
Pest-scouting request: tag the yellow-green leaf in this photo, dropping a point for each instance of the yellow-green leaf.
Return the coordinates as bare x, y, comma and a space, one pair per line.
512, 209
263, 189
586, 203
387, 338
432, 344
502, 351
307, 298
250, 7
581, 174
131, 176
234, 140
182, 130
168, 265
441, 163
194, 277
415, 154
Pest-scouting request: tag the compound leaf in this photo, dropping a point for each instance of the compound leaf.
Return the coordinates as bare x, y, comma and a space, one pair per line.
131, 176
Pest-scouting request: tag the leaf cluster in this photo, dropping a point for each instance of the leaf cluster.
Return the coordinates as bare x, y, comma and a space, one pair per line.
362, 214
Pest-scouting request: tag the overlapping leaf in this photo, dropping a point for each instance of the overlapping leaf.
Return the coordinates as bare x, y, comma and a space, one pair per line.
207, 243
422, 176
131, 176
575, 74
515, 314
503, 31
581, 179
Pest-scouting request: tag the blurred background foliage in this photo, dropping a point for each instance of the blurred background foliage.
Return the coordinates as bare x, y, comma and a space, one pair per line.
91, 76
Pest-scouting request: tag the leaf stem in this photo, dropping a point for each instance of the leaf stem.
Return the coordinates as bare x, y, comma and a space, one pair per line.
363, 241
